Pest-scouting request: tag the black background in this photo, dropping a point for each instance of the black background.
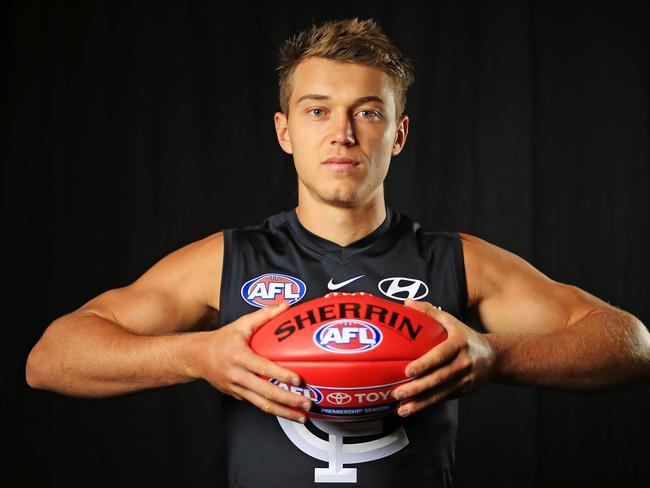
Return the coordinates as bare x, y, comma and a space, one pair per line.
131, 129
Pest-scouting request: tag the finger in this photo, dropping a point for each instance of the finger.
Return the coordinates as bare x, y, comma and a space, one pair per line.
449, 390
437, 356
435, 379
269, 406
254, 320
264, 367
275, 393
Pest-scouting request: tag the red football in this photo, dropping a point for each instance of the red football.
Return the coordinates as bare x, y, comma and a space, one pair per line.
350, 349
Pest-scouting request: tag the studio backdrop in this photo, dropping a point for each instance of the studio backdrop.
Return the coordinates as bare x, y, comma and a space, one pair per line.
134, 128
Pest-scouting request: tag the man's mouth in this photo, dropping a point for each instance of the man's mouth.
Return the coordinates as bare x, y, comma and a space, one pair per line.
341, 163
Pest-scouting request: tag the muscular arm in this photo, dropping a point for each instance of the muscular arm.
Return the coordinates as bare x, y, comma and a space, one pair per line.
129, 338
539, 333
99, 358
551, 334
148, 335
606, 349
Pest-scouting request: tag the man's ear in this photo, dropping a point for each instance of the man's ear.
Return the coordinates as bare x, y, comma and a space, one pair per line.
400, 135
282, 131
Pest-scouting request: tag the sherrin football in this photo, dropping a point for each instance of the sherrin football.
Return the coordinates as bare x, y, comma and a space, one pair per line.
350, 349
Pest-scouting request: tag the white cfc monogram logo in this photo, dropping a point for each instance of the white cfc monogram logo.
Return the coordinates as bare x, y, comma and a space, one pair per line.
336, 453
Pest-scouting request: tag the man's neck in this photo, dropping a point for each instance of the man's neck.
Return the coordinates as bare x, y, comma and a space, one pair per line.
341, 225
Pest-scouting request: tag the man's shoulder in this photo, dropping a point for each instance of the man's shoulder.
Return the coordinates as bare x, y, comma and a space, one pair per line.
268, 233
425, 229
267, 224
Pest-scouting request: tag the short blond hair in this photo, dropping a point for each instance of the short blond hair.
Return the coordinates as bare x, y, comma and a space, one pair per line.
348, 40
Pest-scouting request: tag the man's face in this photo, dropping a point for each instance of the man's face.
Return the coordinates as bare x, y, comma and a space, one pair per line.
338, 123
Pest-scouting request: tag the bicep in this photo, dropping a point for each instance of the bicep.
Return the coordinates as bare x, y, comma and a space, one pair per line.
178, 294
512, 297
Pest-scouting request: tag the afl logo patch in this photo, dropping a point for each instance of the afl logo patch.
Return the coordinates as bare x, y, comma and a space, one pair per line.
271, 289
347, 336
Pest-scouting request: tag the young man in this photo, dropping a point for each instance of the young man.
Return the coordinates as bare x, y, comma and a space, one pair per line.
342, 94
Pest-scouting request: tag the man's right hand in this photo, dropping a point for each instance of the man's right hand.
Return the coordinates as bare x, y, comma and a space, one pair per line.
226, 361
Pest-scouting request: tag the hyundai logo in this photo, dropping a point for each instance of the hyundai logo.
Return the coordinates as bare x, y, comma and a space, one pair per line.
400, 288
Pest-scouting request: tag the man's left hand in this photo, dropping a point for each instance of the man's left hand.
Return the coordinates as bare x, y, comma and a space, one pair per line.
455, 367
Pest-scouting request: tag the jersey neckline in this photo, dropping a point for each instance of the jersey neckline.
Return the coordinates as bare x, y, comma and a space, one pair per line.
324, 246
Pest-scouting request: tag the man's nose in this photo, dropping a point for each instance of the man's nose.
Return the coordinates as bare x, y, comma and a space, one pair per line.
343, 128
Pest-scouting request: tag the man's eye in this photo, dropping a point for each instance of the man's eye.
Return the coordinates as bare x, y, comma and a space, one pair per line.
372, 114
315, 110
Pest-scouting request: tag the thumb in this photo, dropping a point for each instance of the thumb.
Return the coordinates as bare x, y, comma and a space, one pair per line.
257, 319
417, 305
427, 309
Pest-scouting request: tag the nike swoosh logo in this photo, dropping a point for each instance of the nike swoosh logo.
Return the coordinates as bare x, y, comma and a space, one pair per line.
335, 286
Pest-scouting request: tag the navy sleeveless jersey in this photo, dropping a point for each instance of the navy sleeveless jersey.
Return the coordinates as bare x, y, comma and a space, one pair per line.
398, 260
